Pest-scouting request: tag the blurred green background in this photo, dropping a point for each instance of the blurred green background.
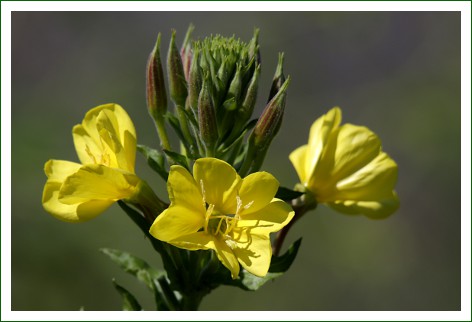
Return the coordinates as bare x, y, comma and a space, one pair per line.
396, 72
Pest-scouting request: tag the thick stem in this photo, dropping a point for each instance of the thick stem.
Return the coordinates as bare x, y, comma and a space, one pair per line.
191, 302
280, 237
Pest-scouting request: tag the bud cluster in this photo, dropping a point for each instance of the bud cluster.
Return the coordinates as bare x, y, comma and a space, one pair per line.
213, 84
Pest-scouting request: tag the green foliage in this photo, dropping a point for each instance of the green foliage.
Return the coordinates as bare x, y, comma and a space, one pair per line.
134, 266
154, 280
129, 301
178, 158
155, 160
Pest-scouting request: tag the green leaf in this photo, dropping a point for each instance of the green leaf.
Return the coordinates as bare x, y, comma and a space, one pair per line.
143, 272
281, 264
287, 194
278, 266
155, 160
129, 301
134, 266
178, 158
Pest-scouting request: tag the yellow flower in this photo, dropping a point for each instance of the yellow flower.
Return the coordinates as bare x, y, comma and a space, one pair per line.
345, 167
106, 145
216, 209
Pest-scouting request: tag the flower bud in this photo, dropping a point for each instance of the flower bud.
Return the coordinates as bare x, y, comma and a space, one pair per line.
234, 91
278, 79
186, 52
155, 87
271, 119
254, 48
247, 106
175, 71
194, 81
207, 118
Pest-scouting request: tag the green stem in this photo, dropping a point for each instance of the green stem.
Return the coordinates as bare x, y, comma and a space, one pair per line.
168, 294
300, 209
191, 302
248, 159
186, 129
162, 132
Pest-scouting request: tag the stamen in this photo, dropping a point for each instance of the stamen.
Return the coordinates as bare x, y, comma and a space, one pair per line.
207, 216
239, 203
219, 226
203, 191
248, 205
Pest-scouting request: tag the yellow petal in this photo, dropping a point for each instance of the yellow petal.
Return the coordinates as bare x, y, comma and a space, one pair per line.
298, 159
59, 170
254, 253
375, 180
369, 191
219, 183
183, 189
202, 240
175, 222
269, 219
97, 182
195, 241
106, 136
374, 209
257, 191
79, 212
227, 257
348, 149
88, 149
320, 132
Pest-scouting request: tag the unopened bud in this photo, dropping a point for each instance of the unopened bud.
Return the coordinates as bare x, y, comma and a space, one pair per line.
175, 71
254, 47
207, 118
271, 119
194, 81
279, 78
186, 52
234, 91
249, 101
155, 87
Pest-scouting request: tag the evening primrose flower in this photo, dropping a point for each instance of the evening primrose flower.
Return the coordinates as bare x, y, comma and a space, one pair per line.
106, 146
345, 167
216, 209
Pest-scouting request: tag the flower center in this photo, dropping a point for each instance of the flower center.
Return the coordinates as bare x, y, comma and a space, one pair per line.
217, 224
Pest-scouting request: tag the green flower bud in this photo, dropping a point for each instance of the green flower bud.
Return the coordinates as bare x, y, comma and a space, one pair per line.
155, 87
278, 79
207, 118
254, 51
271, 119
175, 71
194, 81
186, 52
247, 106
234, 91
